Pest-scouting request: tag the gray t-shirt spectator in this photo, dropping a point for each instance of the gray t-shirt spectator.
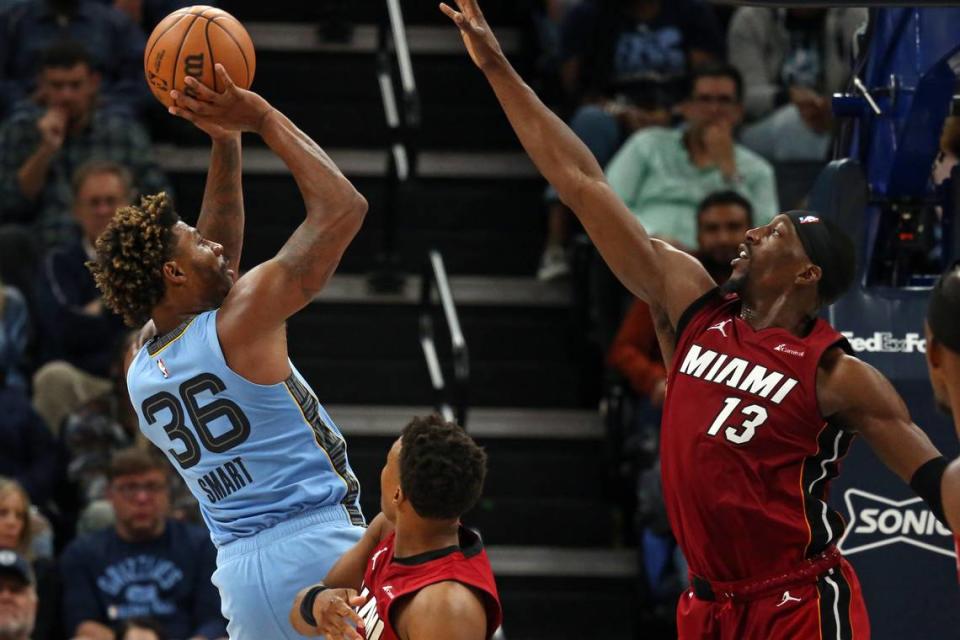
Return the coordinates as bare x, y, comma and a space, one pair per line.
774, 52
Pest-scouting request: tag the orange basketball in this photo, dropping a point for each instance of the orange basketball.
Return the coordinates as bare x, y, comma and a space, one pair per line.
189, 42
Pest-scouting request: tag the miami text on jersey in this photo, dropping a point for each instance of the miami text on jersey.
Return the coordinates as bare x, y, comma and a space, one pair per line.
737, 373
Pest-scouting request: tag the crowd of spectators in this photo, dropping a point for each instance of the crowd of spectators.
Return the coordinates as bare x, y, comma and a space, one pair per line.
98, 540
679, 99
687, 108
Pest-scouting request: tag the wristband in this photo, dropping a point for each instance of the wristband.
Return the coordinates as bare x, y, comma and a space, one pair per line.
306, 605
926, 483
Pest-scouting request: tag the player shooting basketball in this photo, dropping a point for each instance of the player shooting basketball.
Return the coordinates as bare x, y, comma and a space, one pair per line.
778, 398
215, 388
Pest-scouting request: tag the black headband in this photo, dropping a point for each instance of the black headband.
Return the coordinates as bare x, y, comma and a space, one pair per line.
829, 248
943, 312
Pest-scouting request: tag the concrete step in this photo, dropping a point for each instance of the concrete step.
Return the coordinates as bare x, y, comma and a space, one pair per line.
501, 165
422, 39
500, 13
485, 422
557, 562
489, 291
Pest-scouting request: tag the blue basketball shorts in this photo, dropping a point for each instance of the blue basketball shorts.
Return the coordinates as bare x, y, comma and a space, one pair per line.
259, 576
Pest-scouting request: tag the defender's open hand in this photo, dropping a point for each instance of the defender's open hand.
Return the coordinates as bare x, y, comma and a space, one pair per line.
333, 610
476, 33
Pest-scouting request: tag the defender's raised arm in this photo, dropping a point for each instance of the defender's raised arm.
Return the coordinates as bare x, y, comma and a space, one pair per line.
641, 263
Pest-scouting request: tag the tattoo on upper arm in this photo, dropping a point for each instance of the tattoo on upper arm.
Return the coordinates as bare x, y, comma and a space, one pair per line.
298, 256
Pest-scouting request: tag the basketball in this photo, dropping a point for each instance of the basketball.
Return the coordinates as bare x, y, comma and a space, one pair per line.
189, 42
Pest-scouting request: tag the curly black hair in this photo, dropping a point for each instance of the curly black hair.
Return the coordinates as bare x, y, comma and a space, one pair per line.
131, 251
441, 468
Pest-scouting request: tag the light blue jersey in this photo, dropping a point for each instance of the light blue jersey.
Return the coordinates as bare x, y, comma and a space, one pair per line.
253, 455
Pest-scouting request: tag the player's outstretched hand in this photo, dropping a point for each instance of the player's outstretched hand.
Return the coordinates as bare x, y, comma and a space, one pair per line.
233, 109
333, 611
477, 35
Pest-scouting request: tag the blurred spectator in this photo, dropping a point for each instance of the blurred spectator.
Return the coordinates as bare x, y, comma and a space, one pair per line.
14, 517
147, 565
945, 188
49, 137
723, 219
114, 41
7, 4
611, 46
148, 13
14, 332
19, 260
624, 64
792, 61
20, 527
92, 434
18, 597
78, 335
546, 19
28, 453
949, 153
663, 174
141, 629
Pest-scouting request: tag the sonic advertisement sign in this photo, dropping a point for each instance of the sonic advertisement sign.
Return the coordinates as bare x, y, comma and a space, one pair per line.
876, 521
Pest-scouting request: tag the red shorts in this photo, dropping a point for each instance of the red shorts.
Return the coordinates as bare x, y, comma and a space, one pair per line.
832, 608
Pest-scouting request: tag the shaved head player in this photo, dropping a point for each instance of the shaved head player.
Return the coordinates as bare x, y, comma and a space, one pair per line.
778, 396
943, 361
215, 389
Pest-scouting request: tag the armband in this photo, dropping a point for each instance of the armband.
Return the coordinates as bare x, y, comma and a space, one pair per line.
926, 483
306, 605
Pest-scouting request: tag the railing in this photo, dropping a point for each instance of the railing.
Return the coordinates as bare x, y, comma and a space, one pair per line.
403, 120
450, 402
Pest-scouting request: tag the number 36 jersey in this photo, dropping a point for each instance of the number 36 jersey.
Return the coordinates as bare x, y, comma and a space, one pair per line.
253, 455
746, 456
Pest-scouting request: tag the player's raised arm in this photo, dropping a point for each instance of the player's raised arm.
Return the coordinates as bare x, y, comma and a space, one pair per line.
860, 399
258, 305
641, 263
221, 213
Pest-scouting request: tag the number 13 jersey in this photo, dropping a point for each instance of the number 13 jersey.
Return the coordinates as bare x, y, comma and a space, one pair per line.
253, 455
746, 456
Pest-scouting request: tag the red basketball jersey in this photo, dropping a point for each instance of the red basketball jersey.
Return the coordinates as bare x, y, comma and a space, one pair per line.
388, 579
746, 456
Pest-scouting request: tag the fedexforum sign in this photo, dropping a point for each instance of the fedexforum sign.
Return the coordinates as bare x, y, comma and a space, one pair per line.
885, 342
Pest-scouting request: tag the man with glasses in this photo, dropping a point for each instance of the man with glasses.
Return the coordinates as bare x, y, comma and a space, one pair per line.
18, 597
146, 566
662, 174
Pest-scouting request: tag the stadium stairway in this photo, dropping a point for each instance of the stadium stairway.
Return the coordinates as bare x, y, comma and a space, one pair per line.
549, 525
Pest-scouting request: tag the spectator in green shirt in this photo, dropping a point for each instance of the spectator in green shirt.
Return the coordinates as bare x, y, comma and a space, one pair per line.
662, 174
